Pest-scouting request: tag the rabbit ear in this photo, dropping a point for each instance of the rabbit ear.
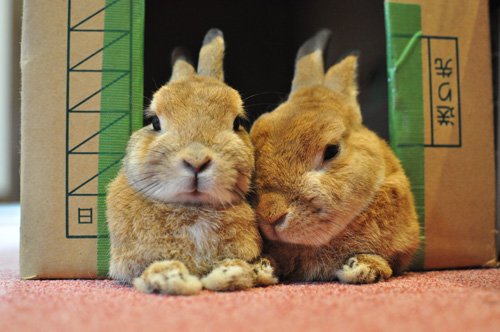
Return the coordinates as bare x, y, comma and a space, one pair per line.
309, 62
181, 64
341, 77
212, 55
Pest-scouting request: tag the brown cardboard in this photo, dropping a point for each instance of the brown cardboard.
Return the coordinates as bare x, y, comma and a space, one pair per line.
496, 27
46, 252
459, 180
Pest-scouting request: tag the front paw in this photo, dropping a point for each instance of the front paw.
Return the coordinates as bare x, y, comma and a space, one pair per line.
364, 269
264, 273
230, 275
168, 277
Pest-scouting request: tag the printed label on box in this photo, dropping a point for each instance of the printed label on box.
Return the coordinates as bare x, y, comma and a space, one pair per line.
442, 109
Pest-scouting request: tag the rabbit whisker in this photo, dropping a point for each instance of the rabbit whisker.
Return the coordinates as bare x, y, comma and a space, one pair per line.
263, 94
259, 104
151, 175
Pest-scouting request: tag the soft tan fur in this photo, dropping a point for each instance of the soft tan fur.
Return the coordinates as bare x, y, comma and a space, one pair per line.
169, 228
351, 218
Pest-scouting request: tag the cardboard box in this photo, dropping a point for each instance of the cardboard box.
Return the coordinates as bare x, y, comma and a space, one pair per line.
495, 26
82, 78
441, 125
82, 97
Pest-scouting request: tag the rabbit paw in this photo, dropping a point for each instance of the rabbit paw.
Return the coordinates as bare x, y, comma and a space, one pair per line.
264, 273
168, 277
364, 269
230, 275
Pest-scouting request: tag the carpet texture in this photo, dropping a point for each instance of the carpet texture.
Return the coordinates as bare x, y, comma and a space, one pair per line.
466, 300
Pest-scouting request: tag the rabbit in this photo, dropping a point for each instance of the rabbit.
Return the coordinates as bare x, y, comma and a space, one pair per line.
332, 199
177, 215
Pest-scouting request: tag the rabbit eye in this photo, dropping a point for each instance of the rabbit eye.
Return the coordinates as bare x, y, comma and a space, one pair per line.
331, 151
156, 123
238, 122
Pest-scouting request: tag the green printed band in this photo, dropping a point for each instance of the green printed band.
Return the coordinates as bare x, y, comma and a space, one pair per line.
406, 115
121, 101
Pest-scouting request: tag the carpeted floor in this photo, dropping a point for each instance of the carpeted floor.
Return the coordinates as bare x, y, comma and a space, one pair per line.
466, 300
433, 301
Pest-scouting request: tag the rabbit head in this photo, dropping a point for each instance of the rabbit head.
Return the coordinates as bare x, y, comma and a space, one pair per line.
195, 151
317, 166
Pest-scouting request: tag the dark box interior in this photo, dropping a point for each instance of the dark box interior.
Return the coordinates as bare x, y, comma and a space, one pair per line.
262, 38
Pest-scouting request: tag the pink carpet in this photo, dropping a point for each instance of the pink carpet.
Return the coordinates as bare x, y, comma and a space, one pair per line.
467, 300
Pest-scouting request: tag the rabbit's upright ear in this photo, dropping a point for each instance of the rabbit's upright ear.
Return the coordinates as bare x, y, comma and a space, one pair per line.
181, 65
342, 77
309, 68
212, 55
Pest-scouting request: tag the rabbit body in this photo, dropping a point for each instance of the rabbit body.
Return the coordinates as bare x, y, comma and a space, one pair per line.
176, 212
144, 231
333, 201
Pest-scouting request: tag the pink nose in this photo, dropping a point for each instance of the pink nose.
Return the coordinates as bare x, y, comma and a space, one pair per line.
197, 165
272, 208
278, 219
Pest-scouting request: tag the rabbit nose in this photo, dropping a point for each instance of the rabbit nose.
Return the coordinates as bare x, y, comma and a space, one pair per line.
278, 220
272, 208
197, 165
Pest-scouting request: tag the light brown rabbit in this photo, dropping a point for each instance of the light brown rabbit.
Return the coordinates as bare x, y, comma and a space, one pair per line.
332, 199
178, 219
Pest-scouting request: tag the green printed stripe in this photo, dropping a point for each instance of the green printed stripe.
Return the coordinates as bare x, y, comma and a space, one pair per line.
406, 115
122, 77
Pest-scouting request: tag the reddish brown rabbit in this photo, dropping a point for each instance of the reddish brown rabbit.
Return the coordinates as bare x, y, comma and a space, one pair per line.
332, 199
177, 214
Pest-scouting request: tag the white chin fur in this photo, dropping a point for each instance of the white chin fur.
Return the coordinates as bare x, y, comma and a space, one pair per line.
183, 196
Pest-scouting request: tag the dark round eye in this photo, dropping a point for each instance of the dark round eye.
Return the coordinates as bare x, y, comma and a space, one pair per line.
238, 121
156, 123
331, 151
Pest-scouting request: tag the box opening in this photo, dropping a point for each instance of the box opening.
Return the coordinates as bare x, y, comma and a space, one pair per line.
262, 38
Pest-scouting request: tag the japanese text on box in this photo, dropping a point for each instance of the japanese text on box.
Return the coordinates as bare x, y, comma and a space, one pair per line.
443, 128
